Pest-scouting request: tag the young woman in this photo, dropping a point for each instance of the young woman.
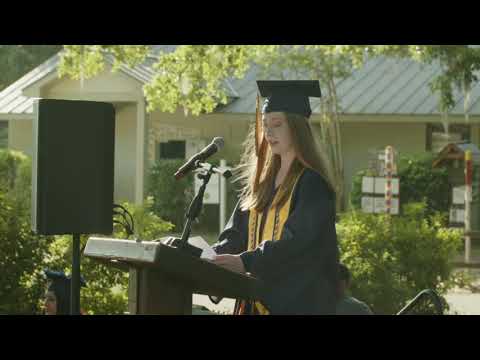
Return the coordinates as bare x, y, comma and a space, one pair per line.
282, 230
57, 297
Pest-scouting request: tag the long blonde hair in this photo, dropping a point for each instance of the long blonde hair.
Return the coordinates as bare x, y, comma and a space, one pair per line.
255, 193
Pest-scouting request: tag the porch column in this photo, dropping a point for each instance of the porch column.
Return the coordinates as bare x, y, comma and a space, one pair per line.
140, 152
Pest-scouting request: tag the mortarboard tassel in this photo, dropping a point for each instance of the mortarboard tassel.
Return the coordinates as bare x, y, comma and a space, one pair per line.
260, 145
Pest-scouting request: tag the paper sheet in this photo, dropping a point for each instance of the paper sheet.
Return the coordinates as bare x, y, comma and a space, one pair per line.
208, 253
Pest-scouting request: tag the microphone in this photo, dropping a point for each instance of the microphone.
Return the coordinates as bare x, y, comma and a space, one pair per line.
216, 144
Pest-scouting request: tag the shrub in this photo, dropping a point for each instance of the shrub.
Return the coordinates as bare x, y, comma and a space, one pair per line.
107, 287
393, 258
171, 198
419, 182
22, 253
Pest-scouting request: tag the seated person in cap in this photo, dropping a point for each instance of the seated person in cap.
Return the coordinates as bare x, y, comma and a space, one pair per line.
348, 305
57, 297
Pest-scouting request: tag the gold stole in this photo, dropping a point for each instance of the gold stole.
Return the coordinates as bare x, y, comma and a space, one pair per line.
272, 230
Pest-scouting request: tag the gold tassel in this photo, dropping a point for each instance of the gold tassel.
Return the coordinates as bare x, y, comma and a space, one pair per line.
260, 145
258, 120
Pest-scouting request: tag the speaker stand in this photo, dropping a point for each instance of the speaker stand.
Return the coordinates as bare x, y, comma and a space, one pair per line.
75, 287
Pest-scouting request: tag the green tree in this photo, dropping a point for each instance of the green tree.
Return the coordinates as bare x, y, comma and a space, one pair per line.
85, 61
17, 60
192, 76
22, 254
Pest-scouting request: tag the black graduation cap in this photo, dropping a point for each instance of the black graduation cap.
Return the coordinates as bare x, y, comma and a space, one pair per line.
60, 285
291, 96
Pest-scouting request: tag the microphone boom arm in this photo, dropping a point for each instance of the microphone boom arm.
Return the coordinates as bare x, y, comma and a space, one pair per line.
195, 208
206, 166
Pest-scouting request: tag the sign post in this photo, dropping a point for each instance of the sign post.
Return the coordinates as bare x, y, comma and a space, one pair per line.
468, 204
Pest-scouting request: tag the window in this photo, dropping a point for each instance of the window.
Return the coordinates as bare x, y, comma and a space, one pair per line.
174, 149
3, 134
437, 138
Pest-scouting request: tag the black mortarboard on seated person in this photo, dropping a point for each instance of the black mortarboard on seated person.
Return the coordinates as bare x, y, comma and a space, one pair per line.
344, 273
289, 96
60, 285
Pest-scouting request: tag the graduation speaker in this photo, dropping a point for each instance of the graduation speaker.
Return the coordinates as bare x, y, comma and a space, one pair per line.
72, 167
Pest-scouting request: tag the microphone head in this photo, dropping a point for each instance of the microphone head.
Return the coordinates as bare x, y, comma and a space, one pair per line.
219, 143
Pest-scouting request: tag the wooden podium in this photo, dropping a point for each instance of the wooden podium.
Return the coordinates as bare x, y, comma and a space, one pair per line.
163, 278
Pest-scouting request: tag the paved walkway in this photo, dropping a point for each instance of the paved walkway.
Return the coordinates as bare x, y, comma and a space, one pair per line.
464, 301
225, 306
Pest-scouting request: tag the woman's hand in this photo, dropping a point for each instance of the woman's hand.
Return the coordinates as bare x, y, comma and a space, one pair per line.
230, 262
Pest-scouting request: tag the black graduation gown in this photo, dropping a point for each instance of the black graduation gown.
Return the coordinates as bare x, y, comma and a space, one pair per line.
299, 270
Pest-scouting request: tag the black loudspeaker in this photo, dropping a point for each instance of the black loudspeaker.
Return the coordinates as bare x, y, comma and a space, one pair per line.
73, 167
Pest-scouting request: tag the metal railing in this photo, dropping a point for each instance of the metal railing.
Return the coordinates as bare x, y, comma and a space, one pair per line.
424, 294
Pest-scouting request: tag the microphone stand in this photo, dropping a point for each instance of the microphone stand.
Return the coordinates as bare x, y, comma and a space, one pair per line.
194, 210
